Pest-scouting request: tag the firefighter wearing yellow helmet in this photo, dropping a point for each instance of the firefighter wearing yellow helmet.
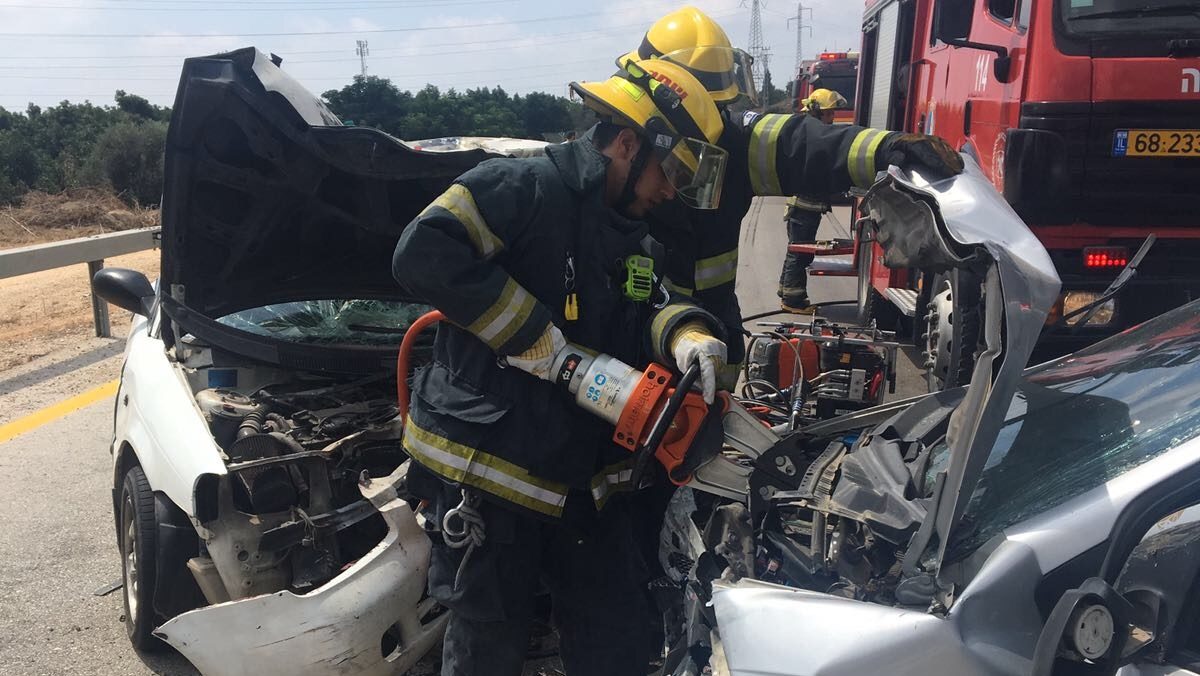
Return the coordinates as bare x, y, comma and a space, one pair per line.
823, 103
524, 256
671, 109
689, 37
770, 154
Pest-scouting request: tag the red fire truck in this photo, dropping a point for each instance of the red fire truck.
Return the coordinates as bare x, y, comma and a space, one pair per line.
1084, 113
837, 71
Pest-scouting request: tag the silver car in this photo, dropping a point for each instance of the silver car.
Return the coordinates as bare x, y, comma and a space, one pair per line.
1038, 521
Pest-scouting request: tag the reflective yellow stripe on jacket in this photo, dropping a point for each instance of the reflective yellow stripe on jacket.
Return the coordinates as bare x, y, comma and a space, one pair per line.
676, 288
461, 204
486, 472
500, 322
660, 324
861, 159
764, 153
716, 270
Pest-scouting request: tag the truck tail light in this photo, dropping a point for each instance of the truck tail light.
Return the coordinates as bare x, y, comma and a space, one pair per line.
1100, 257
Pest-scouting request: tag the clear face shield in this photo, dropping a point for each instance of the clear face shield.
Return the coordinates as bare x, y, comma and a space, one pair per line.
723, 71
697, 172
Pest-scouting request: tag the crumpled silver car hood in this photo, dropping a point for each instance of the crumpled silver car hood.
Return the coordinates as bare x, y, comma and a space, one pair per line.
964, 222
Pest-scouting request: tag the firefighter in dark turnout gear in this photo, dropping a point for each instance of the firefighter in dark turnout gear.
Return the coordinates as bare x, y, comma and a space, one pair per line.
803, 216
768, 155
522, 255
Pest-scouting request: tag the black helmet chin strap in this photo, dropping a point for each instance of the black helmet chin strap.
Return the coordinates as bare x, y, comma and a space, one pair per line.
636, 167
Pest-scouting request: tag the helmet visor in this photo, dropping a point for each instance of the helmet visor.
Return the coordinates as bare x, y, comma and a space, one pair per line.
697, 172
723, 71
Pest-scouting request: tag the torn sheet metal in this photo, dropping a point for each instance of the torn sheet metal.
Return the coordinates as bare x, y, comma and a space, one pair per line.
369, 620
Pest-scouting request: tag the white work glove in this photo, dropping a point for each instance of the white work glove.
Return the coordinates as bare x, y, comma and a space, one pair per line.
693, 344
539, 359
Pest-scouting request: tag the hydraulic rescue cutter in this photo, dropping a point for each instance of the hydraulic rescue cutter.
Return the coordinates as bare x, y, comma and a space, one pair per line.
657, 414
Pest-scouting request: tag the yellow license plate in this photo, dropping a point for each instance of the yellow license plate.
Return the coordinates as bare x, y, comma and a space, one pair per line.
1156, 143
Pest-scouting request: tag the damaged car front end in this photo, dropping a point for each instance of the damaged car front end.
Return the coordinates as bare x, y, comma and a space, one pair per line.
951, 533
258, 473
976, 531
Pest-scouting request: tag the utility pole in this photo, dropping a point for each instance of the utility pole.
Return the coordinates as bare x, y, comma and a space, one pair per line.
800, 27
758, 50
362, 52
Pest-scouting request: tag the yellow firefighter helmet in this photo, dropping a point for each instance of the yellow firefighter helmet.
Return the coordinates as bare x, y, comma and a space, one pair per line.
675, 114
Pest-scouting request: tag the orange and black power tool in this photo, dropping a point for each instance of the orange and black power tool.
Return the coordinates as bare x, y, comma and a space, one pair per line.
653, 414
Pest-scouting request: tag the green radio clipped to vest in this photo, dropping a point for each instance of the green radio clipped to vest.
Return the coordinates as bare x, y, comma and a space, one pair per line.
639, 278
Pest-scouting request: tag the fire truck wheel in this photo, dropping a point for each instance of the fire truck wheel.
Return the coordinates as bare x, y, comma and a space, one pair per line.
953, 329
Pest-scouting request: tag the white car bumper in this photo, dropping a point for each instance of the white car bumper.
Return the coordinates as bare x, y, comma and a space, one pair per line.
336, 629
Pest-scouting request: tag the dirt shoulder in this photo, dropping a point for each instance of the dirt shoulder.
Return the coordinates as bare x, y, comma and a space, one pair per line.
48, 311
44, 311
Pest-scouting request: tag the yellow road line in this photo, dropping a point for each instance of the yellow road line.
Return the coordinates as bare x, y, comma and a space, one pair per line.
51, 413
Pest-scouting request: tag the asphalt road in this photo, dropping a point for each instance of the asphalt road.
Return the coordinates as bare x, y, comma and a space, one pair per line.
57, 543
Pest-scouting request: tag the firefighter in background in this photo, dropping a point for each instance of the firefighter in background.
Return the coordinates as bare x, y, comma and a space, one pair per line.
525, 257
768, 155
822, 104
804, 214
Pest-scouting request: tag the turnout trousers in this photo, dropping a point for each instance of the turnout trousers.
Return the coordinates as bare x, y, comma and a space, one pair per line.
793, 280
589, 564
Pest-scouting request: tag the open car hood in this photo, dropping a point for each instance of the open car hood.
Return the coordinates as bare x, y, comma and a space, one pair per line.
963, 222
268, 198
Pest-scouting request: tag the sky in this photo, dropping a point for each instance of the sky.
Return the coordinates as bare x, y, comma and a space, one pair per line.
55, 50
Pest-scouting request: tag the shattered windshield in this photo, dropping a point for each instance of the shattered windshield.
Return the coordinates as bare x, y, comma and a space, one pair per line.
1081, 421
330, 322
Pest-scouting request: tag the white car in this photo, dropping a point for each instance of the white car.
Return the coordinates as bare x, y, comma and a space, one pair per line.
256, 453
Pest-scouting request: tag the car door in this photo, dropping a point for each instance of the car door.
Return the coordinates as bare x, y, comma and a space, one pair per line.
1166, 565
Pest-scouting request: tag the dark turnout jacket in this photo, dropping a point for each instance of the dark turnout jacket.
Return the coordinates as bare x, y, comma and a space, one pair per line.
768, 155
491, 253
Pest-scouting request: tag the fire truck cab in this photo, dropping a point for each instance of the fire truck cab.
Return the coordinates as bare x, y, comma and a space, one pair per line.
1085, 114
836, 71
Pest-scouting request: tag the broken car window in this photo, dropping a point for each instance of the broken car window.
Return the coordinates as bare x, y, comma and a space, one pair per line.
1081, 421
344, 322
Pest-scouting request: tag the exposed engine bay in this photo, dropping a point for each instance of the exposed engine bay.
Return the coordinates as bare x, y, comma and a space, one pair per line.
864, 507
289, 514
832, 506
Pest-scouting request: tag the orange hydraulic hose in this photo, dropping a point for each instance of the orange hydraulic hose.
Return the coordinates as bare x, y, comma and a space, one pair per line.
404, 357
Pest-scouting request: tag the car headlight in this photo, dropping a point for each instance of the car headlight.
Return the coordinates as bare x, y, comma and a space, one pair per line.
1074, 300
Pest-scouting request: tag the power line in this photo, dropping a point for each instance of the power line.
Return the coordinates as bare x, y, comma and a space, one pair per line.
304, 33
422, 50
352, 5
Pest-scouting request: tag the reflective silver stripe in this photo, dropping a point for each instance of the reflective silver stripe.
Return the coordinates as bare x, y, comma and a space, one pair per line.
468, 465
461, 204
675, 288
717, 270
505, 317
604, 485
764, 137
861, 160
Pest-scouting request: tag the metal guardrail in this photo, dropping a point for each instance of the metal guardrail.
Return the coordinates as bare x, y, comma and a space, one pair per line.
91, 250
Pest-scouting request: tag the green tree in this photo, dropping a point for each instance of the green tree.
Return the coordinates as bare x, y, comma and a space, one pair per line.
139, 107
128, 157
769, 93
